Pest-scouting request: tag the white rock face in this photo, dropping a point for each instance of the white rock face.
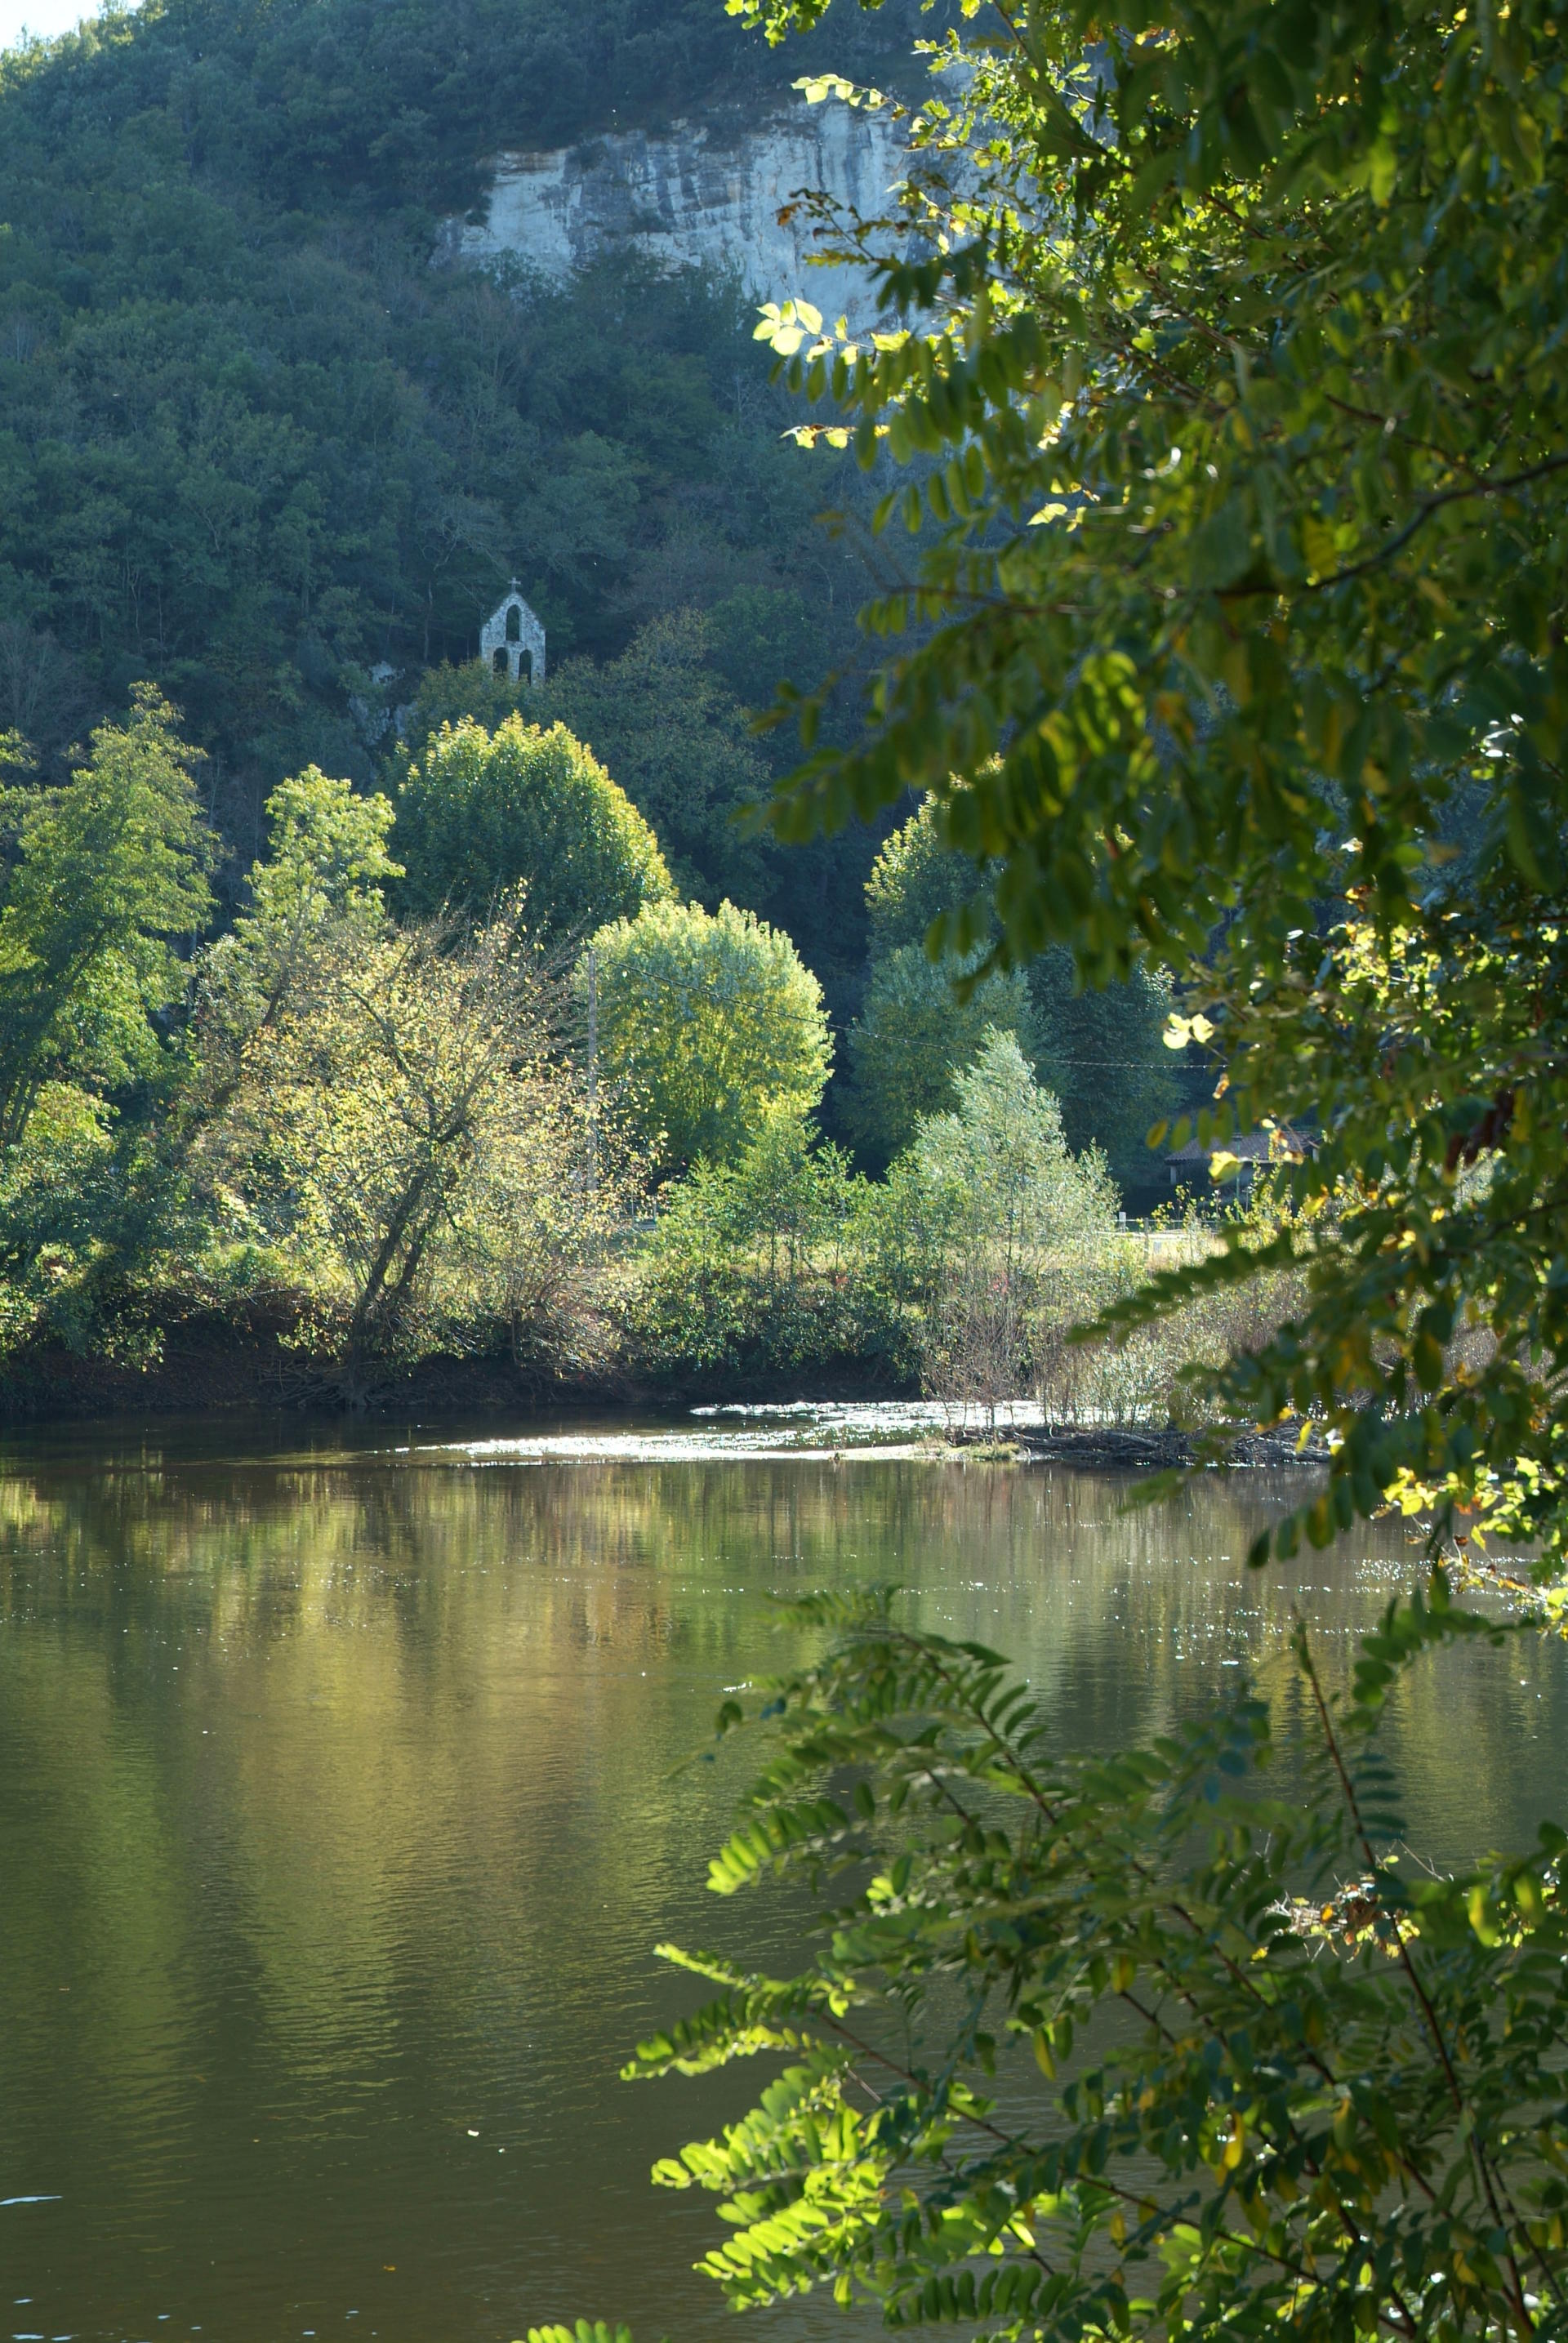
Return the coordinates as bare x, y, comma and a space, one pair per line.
695, 195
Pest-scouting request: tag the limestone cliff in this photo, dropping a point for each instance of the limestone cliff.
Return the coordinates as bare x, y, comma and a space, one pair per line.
702, 192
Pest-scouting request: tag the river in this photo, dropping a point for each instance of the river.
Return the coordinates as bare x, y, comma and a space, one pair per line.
342, 1805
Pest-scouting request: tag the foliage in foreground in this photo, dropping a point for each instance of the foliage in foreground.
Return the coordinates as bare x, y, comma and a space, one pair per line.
1223, 346
1131, 2046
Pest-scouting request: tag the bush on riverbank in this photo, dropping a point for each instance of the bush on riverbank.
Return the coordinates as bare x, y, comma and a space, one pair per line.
965, 1274
345, 1254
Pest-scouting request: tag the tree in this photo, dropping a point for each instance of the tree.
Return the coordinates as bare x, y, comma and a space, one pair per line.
1127, 2046
108, 869
315, 901
917, 881
710, 1023
919, 1023
481, 813
914, 1038
402, 1131
669, 717
759, 637
1017, 1220
69, 1219
1098, 1050
384, 1118
1000, 1164
1227, 354
321, 886
675, 735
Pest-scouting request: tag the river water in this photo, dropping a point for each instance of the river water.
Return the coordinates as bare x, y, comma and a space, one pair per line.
342, 1805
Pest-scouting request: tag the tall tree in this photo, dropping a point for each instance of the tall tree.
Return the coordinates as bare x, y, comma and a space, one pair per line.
913, 1041
674, 738
1097, 1050
482, 813
318, 894
107, 872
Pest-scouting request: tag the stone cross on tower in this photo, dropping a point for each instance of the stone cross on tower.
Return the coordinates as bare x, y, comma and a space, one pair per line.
512, 641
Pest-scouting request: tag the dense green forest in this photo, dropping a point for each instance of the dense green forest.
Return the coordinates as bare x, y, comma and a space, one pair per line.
253, 443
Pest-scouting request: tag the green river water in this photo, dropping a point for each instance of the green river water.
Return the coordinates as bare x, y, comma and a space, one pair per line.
340, 1811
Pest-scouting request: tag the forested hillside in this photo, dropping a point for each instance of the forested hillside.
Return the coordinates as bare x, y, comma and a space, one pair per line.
253, 443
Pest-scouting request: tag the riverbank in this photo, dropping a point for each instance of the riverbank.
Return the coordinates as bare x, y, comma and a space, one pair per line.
1139, 1448
252, 1361
213, 1367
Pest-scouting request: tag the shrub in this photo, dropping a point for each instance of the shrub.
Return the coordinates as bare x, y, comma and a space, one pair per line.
774, 1265
1021, 1228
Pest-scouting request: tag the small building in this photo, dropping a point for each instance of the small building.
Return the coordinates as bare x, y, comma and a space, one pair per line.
1251, 1149
512, 641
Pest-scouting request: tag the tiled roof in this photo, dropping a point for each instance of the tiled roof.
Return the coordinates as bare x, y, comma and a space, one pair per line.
1253, 1147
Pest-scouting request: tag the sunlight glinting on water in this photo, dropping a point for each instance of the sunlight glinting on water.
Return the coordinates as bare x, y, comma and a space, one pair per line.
883, 1427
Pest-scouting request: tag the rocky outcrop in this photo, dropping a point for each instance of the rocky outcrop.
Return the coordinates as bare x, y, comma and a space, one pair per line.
701, 193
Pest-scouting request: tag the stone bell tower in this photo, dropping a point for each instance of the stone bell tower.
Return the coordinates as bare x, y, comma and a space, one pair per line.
512, 641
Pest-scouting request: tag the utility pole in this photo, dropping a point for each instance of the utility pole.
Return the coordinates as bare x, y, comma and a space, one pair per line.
593, 1067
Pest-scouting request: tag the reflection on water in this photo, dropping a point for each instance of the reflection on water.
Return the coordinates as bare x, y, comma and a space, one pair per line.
338, 1816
